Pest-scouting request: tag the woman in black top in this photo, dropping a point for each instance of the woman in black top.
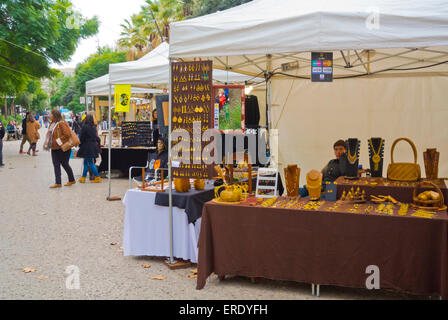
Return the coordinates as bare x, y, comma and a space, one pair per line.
2, 134
88, 148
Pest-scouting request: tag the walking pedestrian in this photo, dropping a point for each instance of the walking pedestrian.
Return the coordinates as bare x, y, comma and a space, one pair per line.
32, 127
77, 126
46, 120
2, 135
59, 133
88, 148
24, 135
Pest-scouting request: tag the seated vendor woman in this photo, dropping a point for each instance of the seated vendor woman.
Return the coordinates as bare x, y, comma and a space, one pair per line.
334, 169
161, 161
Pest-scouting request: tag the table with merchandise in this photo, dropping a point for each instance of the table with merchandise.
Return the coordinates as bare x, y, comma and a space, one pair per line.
328, 242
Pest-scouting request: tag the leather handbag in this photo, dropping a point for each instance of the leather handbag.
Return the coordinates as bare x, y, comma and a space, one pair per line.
403, 171
73, 141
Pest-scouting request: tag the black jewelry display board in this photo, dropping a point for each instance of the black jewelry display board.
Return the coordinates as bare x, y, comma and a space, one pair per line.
353, 146
136, 134
376, 156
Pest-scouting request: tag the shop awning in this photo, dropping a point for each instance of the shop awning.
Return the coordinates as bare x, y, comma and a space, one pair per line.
100, 87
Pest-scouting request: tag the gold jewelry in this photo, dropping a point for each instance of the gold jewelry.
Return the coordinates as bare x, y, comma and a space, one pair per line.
403, 209
376, 158
352, 158
313, 205
369, 209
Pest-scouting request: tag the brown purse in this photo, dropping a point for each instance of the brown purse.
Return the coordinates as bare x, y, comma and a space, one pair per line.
403, 171
73, 141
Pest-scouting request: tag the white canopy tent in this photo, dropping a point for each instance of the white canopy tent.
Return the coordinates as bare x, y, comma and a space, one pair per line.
390, 70
153, 70
100, 87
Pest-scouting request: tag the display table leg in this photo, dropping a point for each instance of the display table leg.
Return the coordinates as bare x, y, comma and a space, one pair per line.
312, 289
318, 290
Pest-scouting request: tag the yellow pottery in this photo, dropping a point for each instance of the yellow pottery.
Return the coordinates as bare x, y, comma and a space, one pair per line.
181, 185
231, 193
199, 184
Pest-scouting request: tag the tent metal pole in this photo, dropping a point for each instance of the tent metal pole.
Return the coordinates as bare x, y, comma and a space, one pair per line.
110, 141
268, 102
170, 175
87, 105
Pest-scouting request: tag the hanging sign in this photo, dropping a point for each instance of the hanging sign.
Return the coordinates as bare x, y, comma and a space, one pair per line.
321, 66
82, 100
192, 103
122, 97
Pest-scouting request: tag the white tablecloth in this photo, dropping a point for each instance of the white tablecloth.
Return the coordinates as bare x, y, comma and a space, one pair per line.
146, 229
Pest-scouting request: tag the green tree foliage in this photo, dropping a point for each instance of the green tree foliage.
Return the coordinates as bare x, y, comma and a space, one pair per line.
34, 34
66, 90
33, 98
96, 66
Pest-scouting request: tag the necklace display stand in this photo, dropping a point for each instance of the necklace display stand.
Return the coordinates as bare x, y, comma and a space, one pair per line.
353, 145
376, 156
431, 158
292, 180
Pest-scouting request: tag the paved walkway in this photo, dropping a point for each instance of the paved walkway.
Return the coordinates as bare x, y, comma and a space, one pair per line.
48, 230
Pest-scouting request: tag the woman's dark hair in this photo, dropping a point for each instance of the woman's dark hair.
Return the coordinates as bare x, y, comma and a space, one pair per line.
152, 113
30, 118
57, 116
340, 143
89, 120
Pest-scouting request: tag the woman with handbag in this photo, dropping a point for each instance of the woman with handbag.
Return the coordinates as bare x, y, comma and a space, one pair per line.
32, 127
88, 148
59, 133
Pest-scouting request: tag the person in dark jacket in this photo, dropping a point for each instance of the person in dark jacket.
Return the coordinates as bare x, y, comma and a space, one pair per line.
88, 148
24, 135
2, 135
161, 160
77, 126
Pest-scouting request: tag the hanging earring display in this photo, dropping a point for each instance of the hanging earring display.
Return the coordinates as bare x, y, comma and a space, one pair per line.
191, 81
376, 153
353, 146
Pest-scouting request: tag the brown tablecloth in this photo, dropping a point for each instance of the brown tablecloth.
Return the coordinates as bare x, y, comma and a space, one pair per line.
402, 191
324, 247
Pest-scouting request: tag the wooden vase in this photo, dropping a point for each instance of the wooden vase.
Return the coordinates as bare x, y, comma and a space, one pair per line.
431, 158
292, 180
199, 184
181, 184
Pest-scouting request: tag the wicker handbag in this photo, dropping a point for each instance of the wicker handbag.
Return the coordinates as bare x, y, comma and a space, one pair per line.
403, 171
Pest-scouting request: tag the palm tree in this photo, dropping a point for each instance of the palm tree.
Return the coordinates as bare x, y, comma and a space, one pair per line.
165, 12
147, 29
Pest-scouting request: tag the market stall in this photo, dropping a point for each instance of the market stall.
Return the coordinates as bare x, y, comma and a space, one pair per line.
372, 70
151, 71
130, 153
